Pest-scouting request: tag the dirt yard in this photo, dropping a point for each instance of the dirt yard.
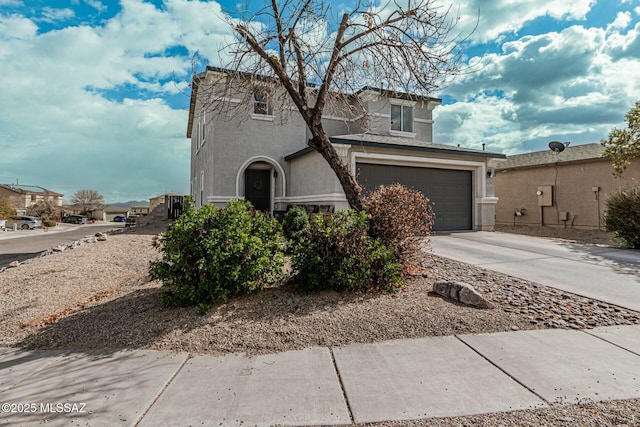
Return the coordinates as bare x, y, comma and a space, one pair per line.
98, 295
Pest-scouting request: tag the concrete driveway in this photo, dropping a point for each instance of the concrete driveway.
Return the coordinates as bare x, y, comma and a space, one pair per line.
603, 273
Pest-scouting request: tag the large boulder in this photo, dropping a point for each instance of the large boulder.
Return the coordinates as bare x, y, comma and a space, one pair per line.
461, 292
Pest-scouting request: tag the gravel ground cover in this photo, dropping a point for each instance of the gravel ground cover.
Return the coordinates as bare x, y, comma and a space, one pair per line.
98, 295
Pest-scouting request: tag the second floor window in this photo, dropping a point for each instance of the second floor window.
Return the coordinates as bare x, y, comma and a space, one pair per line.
402, 118
261, 103
204, 126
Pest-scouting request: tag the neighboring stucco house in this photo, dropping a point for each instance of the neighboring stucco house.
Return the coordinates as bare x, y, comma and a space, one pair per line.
568, 189
140, 209
24, 196
383, 136
112, 211
156, 201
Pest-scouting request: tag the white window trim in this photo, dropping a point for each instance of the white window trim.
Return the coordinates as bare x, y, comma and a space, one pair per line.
204, 126
269, 108
201, 187
402, 133
198, 137
403, 103
263, 117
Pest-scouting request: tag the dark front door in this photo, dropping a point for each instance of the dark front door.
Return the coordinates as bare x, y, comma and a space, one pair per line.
257, 188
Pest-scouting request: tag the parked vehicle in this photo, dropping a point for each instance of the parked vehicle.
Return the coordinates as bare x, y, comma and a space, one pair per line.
119, 218
24, 222
75, 219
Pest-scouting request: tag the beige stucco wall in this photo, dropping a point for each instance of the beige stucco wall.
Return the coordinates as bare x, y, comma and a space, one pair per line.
573, 193
23, 201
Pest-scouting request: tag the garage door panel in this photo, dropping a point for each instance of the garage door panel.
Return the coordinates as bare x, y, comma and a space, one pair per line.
449, 190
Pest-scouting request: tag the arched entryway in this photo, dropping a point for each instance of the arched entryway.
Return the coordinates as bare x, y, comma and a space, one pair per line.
259, 180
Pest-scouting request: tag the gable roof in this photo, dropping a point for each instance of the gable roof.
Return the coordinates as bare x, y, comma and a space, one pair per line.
30, 189
576, 153
395, 142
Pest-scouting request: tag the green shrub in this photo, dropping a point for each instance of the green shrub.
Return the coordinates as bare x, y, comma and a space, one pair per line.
339, 254
295, 226
623, 215
401, 217
212, 254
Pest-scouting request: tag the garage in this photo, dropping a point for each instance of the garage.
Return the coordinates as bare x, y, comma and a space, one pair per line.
450, 190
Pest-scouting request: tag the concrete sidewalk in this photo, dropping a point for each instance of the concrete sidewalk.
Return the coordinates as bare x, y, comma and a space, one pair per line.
394, 380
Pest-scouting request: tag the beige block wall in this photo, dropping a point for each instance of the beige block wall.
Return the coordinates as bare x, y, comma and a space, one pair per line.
573, 188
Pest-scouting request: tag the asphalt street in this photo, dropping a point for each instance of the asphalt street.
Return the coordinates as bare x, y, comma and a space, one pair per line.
22, 245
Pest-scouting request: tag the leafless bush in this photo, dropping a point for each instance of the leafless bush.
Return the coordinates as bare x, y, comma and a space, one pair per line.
401, 217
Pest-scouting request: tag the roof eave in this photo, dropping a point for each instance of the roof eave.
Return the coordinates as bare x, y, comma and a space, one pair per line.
427, 149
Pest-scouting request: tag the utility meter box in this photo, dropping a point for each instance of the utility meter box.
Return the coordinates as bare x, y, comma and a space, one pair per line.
545, 195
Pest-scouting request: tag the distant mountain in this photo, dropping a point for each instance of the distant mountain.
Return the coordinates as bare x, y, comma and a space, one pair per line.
129, 203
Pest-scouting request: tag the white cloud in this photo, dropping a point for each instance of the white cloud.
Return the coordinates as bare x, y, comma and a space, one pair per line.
16, 27
623, 45
65, 87
204, 28
500, 17
50, 14
622, 21
96, 4
566, 86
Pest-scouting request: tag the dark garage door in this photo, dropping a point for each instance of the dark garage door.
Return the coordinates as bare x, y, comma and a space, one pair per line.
449, 190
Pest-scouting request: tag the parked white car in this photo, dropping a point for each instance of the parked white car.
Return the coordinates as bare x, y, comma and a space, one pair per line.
24, 222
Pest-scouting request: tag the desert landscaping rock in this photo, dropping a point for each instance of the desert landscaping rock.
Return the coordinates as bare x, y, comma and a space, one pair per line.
13, 264
461, 292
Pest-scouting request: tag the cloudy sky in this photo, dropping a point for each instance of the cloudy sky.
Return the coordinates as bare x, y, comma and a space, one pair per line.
94, 93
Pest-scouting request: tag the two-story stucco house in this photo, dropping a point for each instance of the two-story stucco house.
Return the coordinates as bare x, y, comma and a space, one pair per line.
24, 196
384, 137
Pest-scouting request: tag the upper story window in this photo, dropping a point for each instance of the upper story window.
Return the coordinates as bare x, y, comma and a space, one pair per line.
261, 104
204, 126
401, 118
200, 129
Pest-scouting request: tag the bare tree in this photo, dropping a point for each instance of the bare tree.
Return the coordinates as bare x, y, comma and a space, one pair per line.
44, 209
306, 58
89, 200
